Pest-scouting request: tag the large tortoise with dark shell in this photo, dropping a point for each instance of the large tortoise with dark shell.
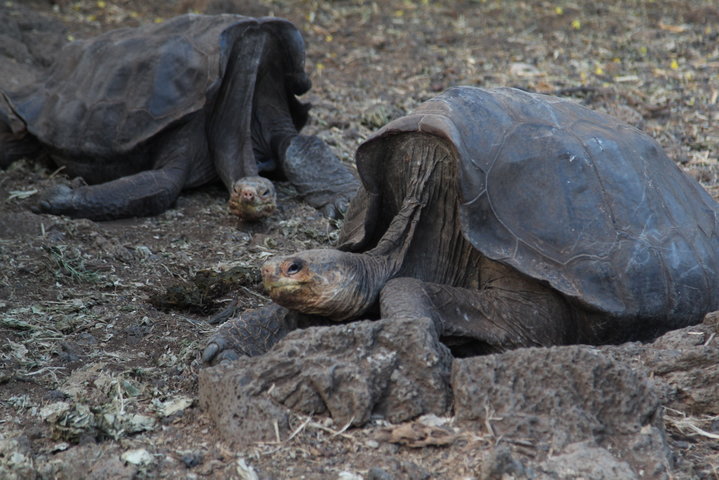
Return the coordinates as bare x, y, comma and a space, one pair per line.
143, 113
511, 219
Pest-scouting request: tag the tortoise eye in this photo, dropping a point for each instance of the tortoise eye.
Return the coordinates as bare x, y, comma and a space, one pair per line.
294, 267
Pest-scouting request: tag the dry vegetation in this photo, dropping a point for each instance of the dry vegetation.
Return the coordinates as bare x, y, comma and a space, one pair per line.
96, 380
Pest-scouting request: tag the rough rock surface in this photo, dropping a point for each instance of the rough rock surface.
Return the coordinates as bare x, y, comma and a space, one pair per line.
559, 413
556, 413
395, 370
551, 398
28, 41
580, 460
684, 363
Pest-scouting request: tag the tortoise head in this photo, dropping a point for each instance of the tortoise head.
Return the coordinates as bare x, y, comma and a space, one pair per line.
252, 198
326, 282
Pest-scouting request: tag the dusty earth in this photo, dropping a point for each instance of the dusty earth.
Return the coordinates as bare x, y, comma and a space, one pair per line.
99, 364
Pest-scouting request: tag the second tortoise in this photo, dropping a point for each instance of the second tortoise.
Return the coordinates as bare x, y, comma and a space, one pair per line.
142, 113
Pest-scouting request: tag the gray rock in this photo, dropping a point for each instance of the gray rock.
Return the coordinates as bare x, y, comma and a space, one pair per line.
685, 363
500, 463
29, 41
393, 369
557, 413
582, 460
553, 397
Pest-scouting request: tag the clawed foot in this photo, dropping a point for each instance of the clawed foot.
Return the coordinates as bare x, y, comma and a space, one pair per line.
251, 334
57, 200
319, 176
220, 348
336, 209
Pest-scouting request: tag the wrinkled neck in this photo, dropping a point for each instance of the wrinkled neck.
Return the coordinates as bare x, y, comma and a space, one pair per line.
419, 212
370, 273
378, 270
391, 250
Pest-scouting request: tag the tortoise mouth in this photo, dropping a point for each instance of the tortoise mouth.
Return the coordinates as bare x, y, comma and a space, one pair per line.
282, 285
250, 211
294, 295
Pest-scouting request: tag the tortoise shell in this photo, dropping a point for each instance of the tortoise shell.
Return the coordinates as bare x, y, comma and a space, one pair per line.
167, 72
568, 196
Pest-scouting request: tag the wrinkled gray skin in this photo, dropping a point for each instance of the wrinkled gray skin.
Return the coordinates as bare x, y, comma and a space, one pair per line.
141, 114
510, 220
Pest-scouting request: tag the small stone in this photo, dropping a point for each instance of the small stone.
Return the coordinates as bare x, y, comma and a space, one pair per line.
138, 456
376, 473
192, 459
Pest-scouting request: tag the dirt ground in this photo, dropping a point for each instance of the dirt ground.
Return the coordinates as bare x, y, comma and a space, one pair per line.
98, 379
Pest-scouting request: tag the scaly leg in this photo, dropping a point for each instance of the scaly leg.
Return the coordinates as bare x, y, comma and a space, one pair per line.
322, 180
149, 192
494, 318
254, 332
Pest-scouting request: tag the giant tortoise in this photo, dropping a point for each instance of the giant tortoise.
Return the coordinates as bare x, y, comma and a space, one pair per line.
510, 219
142, 113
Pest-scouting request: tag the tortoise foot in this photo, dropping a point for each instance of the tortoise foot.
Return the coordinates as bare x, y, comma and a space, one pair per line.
221, 348
251, 334
337, 208
57, 200
252, 198
319, 176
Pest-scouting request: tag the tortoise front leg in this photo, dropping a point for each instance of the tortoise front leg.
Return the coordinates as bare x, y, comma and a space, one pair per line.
146, 193
16, 146
149, 192
252, 333
255, 332
498, 318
